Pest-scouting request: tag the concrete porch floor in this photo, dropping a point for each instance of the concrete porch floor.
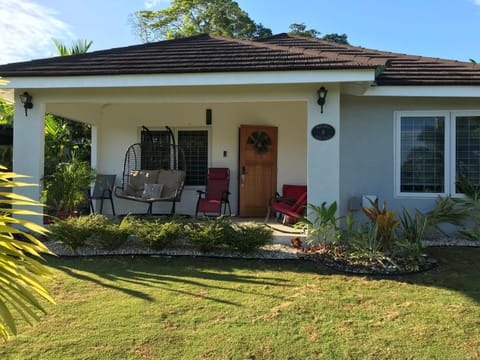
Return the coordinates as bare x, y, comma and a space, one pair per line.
282, 234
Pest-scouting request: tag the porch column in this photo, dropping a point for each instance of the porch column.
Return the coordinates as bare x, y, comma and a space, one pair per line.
28, 148
323, 159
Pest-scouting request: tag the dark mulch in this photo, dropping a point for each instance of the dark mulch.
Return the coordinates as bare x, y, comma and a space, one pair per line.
365, 266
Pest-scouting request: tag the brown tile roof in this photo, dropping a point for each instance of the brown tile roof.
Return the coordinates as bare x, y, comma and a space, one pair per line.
208, 53
394, 69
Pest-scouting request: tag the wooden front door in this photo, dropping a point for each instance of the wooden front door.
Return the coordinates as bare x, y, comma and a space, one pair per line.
258, 169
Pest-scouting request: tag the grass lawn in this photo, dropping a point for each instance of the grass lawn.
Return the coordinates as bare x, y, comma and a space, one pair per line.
200, 308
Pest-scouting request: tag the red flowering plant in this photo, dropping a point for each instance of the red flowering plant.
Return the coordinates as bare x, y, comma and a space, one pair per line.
311, 248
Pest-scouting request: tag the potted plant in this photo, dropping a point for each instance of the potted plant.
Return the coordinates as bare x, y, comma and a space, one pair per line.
67, 187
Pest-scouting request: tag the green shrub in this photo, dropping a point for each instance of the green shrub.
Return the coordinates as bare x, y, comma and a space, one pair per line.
92, 230
205, 236
65, 188
72, 232
157, 234
248, 238
130, 224
109, 237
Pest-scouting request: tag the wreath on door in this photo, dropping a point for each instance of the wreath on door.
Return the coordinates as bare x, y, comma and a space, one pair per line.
260, 141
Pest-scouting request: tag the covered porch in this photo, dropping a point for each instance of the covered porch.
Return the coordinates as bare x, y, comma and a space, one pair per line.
117, 115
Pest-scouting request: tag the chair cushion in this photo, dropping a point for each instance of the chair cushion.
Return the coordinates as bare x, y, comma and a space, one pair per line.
301, 202
209, 206
285, 209
293, 191
138, 179
152, 191
172, 181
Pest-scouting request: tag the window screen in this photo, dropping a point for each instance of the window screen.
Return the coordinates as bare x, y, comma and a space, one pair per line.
422, 151
150, 142
467, 149
195, 146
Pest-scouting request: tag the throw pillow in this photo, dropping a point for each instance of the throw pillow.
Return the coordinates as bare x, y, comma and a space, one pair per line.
152, 191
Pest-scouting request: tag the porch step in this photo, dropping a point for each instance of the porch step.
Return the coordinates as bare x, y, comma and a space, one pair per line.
282, 234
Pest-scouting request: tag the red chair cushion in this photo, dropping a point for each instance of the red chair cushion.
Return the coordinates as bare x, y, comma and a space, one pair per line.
209, 206
301, 202
285, 209
293, 191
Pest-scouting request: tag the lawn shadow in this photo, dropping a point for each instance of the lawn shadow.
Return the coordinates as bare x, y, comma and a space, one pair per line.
458, 269
128, 274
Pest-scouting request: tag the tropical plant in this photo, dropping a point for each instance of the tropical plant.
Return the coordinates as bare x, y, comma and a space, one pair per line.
6, 122
20, 268
78, 47
386, 223
67, 187
412, 233
66, 138
446, 210
471, 204
367, 242
321, 223
6, 112
413, 228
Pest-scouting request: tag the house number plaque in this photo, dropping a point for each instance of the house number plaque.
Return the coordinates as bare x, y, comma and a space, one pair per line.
323, 132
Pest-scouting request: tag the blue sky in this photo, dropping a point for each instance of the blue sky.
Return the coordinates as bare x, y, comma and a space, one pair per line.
438, 28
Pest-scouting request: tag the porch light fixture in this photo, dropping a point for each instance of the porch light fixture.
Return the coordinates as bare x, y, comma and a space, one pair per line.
26, 100
322, 95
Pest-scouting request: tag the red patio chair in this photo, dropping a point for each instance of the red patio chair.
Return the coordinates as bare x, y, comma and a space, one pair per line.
216, 193
291, 204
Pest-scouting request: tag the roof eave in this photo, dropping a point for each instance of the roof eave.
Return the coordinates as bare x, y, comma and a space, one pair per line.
193, 79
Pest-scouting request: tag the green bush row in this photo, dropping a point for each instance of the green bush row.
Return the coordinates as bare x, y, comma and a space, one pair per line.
99, 231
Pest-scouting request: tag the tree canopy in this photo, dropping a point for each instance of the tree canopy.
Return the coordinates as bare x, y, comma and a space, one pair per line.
301, 30
218, 17
190, 17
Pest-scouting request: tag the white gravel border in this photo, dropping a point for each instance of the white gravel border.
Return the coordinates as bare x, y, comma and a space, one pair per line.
273, 251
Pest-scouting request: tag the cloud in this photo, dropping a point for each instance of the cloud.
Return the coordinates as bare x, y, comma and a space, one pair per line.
476, 2
27, 29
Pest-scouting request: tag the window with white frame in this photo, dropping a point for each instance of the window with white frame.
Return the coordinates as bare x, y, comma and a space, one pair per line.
194, 143
433, 148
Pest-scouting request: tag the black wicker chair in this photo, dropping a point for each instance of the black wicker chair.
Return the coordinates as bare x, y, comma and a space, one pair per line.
153, 173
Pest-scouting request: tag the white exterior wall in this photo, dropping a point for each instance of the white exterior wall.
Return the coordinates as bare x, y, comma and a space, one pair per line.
367, 146
323, 155
28, 149
120, 126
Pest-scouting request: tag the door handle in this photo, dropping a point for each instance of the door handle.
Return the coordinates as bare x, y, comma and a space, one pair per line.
243, 172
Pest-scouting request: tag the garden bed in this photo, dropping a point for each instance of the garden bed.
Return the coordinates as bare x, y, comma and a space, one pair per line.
371, 266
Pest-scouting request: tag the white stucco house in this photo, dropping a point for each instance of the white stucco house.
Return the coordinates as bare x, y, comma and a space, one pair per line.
396, 126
